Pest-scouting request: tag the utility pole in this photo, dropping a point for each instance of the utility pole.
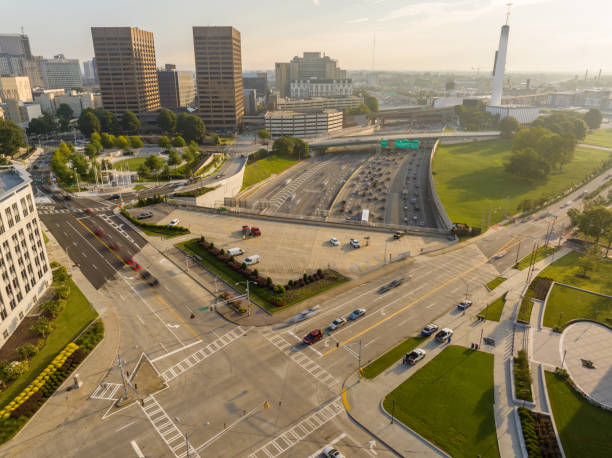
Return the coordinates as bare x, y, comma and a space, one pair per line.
360, 358
125, 391
518, 250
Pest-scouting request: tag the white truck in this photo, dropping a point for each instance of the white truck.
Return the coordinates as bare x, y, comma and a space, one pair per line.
253, 259
235, 251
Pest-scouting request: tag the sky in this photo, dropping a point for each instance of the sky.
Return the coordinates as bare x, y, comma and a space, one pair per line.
410, 35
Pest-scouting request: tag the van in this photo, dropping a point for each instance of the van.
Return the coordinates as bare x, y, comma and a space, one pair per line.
253, 259
235, 251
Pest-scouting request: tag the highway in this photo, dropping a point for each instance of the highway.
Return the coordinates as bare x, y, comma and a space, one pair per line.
374, 139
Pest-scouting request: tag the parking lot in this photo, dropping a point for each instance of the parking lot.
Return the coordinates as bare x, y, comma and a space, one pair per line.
288, 249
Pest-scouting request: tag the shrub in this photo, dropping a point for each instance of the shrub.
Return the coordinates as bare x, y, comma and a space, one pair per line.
522, 377
63, 292
319, 272
54, 264
256, 272
305, 277
290, 283
243, 266
202, 239
211, 245
27, 350
268, 282
43, 326
53, 308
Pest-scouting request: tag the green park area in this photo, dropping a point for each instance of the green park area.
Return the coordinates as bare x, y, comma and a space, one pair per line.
566, 304
132, 163
494, 309
449, 401
263, 168
379, 365
471, 181
568, 270
584, 429
541, 253
599, 137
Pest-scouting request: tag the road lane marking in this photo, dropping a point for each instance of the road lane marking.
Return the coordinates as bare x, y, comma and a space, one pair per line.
347, 406
140, 319
125, 426
175, 351
137, 449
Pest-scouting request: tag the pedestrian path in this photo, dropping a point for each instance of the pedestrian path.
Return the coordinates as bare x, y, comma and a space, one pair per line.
202, 354
320, 374
111, 391
166, 428
300, 431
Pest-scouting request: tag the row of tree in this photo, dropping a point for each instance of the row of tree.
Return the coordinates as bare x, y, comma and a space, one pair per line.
98, 120
291, 146
66, 162
11, 138
475, 118
98, 142
189, 126
594, 221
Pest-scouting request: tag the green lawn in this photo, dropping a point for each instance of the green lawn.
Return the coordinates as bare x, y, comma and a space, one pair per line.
565, 270
449, 401
583, 428
69, 323
541, 253
566, 304
133, 163
494, 309
599, 137
470, 179
495, 283
138, 187
391, 357
263, 168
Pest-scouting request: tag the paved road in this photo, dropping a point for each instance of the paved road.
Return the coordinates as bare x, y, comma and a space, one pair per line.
231, 167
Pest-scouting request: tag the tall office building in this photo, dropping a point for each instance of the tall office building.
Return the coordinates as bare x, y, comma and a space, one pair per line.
24, 265
90, 72
218, 59
311, 65
176, 88
125, 59
61, 73
16, 45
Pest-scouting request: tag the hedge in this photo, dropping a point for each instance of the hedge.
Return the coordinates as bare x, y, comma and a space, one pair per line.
175, 230
522, 377
195, 192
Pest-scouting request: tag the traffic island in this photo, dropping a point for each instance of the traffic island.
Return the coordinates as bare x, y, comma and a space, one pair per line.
144, 381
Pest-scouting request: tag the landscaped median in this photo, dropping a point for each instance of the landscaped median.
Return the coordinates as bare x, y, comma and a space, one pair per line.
195, 192
522, 377
495, 283
155, 229
541, 253
263, 291
494, 309
382, 363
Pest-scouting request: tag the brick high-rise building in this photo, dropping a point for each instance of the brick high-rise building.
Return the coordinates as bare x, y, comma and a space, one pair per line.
218, 60
125, 60
176, 88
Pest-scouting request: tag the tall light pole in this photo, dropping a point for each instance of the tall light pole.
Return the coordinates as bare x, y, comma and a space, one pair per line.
247, 294
186, 436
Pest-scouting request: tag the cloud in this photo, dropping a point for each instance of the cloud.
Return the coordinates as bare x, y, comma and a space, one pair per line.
358, 20
316, 2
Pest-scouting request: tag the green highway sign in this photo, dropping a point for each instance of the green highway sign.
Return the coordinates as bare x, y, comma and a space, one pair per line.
204, 308
384, 143
402, 143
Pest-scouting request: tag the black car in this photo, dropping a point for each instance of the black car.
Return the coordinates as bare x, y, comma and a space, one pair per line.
114, 197
394, 284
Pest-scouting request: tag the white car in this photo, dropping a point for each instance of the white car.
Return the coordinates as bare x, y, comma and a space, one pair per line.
444, 335
173, 222
334, 241
307, 313
331, 452
414, 356
337, 323
354, 243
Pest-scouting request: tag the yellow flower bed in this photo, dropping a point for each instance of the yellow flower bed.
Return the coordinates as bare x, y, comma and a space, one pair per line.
39, 381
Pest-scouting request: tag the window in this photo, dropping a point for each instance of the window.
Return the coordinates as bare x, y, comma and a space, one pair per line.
5, 333
30, 204
9, 217
16, 212
24, 208
21, 315
3, 314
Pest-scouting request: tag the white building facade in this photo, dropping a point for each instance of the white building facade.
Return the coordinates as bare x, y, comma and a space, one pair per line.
319, 103
320, 87
24, 266
61, 73
294, 124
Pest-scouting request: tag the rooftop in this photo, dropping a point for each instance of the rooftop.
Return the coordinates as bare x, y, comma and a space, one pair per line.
10, 178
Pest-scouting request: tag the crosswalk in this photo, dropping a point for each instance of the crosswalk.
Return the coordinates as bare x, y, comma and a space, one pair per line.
117, 227
110, 391
166, 428
56, 211
295, 434
320, 374
202, 354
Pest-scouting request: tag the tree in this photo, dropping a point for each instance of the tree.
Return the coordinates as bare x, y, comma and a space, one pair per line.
64, 111
190, 127
143, 171
193, 147
108, 140
508, 126
88, 123
594, 220
301, 148
79, 163
593, 118
43, 327
526, 163
130, 122
136, 142
263, 134
122, 142
11, 137
178, 142
164, 142
589, 260
90, 150
27, 350
283, 146
166, 120
36, 126
188, 155
154, 162
173, 158
370, 101
109, 122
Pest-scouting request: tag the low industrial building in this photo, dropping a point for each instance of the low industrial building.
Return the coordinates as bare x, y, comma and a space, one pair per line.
319, 103
295, 124
321, 87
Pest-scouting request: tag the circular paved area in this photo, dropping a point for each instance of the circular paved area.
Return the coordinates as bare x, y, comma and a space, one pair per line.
591, 342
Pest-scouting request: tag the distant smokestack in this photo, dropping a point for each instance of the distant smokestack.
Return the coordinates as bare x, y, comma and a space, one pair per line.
500, 66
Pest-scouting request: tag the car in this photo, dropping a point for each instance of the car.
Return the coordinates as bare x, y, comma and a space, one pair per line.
307, 313
133, 264
334, 241
99, 232
500, 255
464, 304
219, 175
67, 197
357, 313
393, 284
566, 204
398, 235
331, 452
429, 329
354, 243
336, 324
114, 246
174, 222
88, 211
144, 215
314, 336
115, 197
444, 335
414, 356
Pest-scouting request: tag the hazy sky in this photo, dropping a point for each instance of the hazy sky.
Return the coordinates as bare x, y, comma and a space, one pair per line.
545, 35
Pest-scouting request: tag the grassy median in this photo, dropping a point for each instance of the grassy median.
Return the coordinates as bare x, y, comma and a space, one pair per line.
495, 283
379, 365
541, 253
494, 309
263, 168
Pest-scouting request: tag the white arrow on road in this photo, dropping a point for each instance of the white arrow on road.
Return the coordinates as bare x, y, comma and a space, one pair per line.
170, 325
372, 447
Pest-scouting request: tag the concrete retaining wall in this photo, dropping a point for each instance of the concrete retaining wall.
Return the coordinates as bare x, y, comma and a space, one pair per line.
444, 219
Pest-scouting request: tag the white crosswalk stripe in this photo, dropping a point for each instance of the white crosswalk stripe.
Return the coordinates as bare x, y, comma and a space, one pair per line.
202, 354
56, 211
110, 391
166, 428
300, 358
299, 431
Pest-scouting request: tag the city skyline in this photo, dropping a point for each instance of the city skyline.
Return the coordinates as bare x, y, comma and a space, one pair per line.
447, 35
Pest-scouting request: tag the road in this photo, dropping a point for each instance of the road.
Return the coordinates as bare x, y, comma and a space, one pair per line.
231, 167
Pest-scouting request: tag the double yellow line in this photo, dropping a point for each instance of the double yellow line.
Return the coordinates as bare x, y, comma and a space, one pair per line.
125, 263
506, 246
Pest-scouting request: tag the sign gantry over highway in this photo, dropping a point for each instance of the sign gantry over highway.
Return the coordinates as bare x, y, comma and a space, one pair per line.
406, 144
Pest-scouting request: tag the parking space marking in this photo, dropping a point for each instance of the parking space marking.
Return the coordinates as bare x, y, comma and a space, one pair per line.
202, 354
298, 432
108, 391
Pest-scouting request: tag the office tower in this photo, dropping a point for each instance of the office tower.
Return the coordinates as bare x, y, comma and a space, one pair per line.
285, 73
125, 59
176, 88
259, 83
312, 65
61, 73
24, 265
90, 71
16, 45
218, 60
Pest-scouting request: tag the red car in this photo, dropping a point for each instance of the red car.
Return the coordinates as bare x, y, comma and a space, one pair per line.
133, 264
88, 211
114, 246
313, 337
99, 232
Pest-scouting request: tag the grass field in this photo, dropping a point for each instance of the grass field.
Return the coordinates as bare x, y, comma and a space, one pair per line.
566, 304
583, 428
495, 283
494, 309
138, 187
391, 357
541, 253
68, 324
600, 137
471, 181
565, 270
449, 401
132, 163
262, 169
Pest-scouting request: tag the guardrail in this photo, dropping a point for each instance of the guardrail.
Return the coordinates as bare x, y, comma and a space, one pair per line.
446, 221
